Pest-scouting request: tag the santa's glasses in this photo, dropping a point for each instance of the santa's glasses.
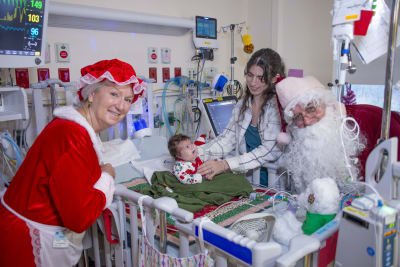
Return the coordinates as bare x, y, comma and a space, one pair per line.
310, 112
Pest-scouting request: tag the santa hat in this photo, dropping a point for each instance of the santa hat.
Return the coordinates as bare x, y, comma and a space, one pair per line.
291, 89
115, 71
283, 137
201, 140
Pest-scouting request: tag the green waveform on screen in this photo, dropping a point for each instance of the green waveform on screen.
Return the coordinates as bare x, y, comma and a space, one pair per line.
14, 2
18, 14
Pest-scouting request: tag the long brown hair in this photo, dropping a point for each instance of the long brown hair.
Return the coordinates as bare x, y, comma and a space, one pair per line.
272, 64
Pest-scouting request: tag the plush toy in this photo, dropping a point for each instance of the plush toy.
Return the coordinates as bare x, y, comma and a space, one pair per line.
201, 140
321, 202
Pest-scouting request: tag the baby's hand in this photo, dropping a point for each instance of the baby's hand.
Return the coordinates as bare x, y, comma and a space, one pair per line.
108, 168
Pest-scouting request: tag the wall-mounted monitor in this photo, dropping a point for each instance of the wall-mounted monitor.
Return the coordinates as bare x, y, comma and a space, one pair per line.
23, 25
205, 33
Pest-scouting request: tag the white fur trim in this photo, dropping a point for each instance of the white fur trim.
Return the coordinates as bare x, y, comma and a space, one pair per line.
106, 185
71, 114
283, 138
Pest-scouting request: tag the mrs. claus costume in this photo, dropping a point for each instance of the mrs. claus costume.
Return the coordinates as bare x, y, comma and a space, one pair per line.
60, 189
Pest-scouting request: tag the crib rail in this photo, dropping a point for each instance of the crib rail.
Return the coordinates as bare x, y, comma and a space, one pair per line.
225, 246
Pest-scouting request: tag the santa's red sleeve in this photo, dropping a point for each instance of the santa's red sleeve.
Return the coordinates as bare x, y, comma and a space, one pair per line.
369, 118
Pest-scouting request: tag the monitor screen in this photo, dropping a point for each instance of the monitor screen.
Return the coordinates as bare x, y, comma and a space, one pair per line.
206, 27
219, 112
22, 32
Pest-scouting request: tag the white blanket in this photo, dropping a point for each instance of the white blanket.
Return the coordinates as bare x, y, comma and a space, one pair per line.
118, 152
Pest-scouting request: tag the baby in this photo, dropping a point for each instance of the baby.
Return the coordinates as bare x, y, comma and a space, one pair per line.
186, 160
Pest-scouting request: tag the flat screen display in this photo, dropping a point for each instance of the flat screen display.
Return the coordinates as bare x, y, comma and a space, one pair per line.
219, 112
22, 26
206, 27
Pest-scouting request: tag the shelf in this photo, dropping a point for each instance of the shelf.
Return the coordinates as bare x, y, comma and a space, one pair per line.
97, 18
13, 104
10, 115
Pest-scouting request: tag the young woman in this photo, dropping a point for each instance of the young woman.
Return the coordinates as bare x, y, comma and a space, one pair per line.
254, 124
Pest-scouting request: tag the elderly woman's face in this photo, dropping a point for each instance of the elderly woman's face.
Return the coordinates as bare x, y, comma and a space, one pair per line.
110, 104
304, 116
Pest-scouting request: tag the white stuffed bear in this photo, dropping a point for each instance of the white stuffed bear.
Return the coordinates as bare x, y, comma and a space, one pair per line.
321, 201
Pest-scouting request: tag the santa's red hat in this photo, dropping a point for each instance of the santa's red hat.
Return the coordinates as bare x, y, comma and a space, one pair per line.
115, 71
283, 137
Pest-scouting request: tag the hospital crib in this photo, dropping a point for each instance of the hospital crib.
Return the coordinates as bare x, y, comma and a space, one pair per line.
226, 247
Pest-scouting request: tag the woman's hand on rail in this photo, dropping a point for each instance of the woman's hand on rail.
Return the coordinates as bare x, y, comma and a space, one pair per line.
210, 168
108, 168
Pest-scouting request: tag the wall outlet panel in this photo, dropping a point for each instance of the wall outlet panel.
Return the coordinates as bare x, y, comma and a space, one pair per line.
63, 74
166, 55
62, 52
177, 72
43, 74
165, 74
22, 77
210, 72
152, 54
153, 74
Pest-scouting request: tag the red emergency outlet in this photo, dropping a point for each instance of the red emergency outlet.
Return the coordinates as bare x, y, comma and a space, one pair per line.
177, 72
43, 74
165, 74
153, 73
22, 77
63, 74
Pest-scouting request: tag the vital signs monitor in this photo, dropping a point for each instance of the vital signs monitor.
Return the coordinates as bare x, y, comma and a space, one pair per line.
205, 33
23, 26
218, 112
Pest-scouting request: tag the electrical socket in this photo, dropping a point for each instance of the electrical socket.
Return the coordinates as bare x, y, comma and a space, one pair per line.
153, 73
177, 72
165, 74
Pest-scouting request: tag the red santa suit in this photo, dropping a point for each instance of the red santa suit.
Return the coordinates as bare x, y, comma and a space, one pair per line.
57, 193
369, 118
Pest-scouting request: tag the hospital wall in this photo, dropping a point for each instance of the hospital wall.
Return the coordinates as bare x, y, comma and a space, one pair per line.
283, 25
89, 46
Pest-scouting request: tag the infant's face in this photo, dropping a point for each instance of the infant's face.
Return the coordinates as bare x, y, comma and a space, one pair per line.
187, 150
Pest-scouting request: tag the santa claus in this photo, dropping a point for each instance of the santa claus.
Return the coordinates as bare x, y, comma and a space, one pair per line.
329, 139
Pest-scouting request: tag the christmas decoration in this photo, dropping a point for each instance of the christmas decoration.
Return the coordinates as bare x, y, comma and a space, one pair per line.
350, 97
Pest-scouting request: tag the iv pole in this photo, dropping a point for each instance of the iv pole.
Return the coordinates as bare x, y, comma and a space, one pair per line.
233, 87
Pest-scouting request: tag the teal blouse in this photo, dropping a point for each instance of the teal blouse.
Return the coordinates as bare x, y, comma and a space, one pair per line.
253, 140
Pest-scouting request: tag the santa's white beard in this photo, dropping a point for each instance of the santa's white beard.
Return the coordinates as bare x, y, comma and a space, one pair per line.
316, 151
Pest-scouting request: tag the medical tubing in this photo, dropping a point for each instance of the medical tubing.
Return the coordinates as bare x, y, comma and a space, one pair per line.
355, 129
17, 150
164, 106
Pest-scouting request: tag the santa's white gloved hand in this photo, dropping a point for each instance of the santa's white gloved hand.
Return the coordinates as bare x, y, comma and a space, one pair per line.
286, 227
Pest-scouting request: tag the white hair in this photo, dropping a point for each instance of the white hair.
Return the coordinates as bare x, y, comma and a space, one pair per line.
316, 151
88, 89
